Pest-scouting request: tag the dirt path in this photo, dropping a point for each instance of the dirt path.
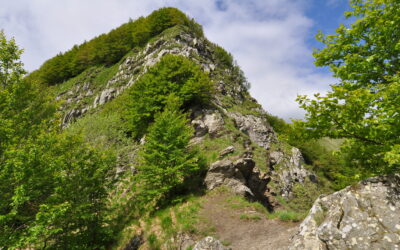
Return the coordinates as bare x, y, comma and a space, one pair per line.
243, 228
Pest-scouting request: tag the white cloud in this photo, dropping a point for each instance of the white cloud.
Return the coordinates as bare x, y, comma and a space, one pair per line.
266, 37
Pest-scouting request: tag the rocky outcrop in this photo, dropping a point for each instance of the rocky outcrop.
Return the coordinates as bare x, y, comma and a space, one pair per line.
209, 243
288, 169
105, 96
255, 127
240, 175
363, 216
232, 174
183, 43
72, 115
207, 121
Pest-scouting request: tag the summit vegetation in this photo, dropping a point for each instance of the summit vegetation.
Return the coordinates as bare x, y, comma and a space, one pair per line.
107, 49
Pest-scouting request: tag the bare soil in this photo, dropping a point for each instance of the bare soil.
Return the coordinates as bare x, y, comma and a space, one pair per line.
233, 227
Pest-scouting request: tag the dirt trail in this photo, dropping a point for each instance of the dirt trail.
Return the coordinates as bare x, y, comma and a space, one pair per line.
245, 234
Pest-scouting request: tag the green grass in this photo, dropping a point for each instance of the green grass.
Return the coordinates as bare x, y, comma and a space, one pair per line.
187, 217
250, 217
247, 107
67, 85
105, 75
287, 215
153, 242
226, 242
210, 147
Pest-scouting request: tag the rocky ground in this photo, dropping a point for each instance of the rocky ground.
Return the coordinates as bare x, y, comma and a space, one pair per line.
239, 227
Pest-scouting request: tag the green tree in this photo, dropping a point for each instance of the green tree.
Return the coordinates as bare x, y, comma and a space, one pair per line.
10, 66
53, 187
167, 161
364, 106
172, 75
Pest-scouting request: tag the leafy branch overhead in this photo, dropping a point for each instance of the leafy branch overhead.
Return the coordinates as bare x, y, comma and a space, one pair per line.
364, 106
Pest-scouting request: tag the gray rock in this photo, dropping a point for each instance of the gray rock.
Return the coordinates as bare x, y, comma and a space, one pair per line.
208, 121
288, 169
106, 95
362, 216
275, 157
225, 172
184, 241
256, 127
70, 117
241, 177
213, 122
209, 243
199, 127
227, 151
89, 93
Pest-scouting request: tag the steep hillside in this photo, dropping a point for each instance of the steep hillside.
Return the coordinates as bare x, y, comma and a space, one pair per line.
147, 138
240, 149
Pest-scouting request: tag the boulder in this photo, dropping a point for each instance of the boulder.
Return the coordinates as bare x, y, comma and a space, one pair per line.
241, 176
362, 216
200, 128
225, 172
209, 243
213, 122
207, 121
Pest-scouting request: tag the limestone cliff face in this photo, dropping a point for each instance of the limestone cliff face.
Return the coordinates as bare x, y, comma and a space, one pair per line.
362, 216
230, 105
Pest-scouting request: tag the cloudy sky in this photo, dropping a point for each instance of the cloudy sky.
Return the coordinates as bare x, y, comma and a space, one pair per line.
271, 40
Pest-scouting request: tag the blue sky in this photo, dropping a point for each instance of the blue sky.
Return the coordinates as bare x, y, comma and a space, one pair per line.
270, 39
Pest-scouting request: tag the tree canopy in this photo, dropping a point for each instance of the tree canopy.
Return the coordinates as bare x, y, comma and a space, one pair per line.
364, 105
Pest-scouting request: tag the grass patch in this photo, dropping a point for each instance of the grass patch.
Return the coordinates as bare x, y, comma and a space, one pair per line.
153, 242
287, 215
67, 85
254, 217
226, 242
105, 75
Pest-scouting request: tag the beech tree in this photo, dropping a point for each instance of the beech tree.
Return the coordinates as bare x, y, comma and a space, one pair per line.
364, 105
